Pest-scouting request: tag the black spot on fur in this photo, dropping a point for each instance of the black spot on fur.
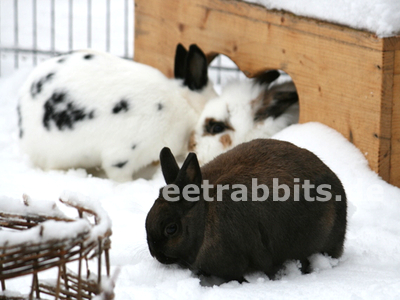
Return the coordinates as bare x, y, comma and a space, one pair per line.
21, 132
121, 164
49, 76
160, 106
133, 147
58, 97
63, 113
88, 56
122, 105
37, 87
61, 60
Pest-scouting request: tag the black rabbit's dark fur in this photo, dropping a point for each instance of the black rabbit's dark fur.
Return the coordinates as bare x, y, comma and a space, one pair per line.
230, 238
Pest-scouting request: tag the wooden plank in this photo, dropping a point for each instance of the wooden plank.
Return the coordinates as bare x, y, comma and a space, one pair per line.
344, 77
395, 146
391, 43
258, 13
179, 17
385, 116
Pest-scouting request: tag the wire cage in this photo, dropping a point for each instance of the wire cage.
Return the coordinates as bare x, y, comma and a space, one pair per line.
34, 30
27, 249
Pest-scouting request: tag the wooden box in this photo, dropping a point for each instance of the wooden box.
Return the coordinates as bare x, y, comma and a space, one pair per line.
347, 79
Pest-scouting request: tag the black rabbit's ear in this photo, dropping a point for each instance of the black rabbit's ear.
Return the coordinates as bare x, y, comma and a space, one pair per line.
190, 172
169, 167
180, 61
196, 77
268, 77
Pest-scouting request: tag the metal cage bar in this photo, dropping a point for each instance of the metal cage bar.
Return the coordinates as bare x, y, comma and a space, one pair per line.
16, 41
89, 23
70, 24
52, 27
126, 28
34, 32
108, 26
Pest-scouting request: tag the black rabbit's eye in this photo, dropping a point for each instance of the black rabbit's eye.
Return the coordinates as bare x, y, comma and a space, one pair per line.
171, 229
215, 127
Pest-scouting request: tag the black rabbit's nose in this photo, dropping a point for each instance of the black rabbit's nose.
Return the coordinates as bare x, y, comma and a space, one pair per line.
164, 259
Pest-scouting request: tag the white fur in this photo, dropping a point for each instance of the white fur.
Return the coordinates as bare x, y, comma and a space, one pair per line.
107, 139
235, 107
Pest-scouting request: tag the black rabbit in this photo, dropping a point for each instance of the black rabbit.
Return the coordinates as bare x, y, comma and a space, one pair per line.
229, 229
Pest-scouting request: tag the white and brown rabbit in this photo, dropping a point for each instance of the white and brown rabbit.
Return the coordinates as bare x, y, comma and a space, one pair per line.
245, 110
92, 109
217, 220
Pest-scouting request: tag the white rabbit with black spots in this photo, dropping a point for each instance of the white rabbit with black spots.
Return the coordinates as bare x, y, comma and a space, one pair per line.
92, 109
245, 110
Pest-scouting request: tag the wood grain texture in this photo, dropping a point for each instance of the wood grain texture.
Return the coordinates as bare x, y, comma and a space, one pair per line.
345, 78
395, 139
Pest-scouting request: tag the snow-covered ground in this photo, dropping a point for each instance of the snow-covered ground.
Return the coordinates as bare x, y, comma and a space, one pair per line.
369, 268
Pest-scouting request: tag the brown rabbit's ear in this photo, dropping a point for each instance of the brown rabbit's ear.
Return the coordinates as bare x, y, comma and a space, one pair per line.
169, 167
190, 172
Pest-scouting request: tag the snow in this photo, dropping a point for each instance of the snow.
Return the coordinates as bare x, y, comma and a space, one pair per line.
369, 268
102, 219
62, 231
44, 208
381, 17
48, 231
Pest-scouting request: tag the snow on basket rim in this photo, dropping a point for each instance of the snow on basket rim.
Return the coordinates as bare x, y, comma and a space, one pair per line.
380, 17
37, 238
49, 223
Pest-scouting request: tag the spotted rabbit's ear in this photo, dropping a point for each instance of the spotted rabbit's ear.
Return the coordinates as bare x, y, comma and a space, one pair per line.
169, 167
180, 61
268, 77
196, 76
273, 102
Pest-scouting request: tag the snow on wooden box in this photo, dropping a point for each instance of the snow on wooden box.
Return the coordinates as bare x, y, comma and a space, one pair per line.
36, 236
346, 78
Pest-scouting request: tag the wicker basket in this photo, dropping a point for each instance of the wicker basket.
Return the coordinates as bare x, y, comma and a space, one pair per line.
30, 243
